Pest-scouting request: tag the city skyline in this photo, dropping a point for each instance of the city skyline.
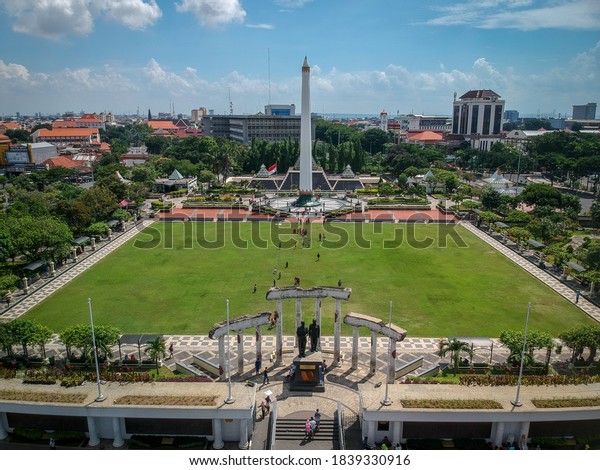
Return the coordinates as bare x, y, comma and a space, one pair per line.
541, 56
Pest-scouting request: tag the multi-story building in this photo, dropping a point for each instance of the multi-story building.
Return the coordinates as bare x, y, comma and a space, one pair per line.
511, 115
280, 110
585, 112
244, 128
419, 122
79, 137
477, 118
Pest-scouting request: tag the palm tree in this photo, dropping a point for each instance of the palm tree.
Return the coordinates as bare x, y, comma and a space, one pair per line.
156, 349
455, 348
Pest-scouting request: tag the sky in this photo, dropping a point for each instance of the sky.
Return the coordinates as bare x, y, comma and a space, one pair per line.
402, 56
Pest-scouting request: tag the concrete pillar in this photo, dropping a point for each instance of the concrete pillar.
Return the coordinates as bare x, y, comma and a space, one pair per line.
52, 269
259, 342
592, 288
3, 429
373, 361
355, 347
564, 274
243, 444
524, 431
298, 320
92, 432
117, 437
391, 375
217, 434
498, 434
240, 352
542, 258
371, 433
397, 428
93, 243
222, 357
25, 285
109, 234
279, 334
337, 332
74, 254
318, 318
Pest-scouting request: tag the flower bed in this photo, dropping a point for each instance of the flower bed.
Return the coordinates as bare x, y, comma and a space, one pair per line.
453, 404
18, 395
566, 402
165, 400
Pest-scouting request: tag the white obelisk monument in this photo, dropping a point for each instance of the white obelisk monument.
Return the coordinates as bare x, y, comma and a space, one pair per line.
305, 187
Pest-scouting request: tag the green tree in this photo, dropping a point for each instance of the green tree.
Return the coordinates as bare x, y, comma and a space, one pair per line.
80, 337
157, 350
98, 229
541, 195
7, 340
581, 337
101, 202
23, 332
455, 348
40, 238
41, 335
514, 340
490, 199
595, 212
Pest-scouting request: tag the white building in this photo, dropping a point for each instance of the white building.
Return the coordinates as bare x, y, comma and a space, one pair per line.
477, 116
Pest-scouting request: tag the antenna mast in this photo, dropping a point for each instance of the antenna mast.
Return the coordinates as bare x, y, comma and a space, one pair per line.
230, 102
269, 63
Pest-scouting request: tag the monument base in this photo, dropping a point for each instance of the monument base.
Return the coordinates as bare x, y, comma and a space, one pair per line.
309, 375
306, 200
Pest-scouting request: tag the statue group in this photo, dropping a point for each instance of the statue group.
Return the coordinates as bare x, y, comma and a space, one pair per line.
313, 331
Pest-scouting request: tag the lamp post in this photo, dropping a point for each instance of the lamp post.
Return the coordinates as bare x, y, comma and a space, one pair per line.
386, 401
100, 396
230, 398
516, 401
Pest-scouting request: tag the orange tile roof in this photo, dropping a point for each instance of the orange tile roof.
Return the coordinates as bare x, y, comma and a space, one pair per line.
426, 136
63, 124
167, 125
64, 162
4, 139
67, 132
9, 125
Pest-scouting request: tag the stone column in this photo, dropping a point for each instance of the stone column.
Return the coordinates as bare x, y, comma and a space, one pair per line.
373, 362
52, 270
258, 343
397, 428
279, 334
117, 437
355, 347
222, 357
564, 273
542, 258
298, 320
498, 434
337, 332
240, 352
391, 375
243, 444
217, 434
92, 432
371, 433
318, 318
25, 285
3, 430
524, 431
93, 243
592, 288
74, 255
109, 234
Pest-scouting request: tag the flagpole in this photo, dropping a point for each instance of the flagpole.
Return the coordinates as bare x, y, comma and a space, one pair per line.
516, 401
230, 398
386, 401
100, 396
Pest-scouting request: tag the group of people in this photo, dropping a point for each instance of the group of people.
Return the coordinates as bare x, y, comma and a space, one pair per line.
312, 425
265, 406
384, 445
313, 331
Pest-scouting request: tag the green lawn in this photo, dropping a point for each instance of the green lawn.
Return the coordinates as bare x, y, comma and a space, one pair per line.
165, 282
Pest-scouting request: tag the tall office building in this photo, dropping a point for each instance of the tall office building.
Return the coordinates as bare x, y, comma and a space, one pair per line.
586, 112
477, 116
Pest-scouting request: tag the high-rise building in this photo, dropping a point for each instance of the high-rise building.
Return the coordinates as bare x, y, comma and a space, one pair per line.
280, 110
511, 115
586, 112
477, 117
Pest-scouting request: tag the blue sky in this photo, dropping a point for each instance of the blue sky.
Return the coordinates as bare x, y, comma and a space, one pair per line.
541, 56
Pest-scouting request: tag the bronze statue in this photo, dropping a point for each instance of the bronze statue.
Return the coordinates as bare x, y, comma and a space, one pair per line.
302, 333
314, 331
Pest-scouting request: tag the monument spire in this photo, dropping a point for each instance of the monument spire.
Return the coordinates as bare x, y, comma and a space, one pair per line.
306, 187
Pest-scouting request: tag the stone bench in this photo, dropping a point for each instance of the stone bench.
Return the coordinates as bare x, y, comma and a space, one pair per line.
185, 369
408, 367
206, 365
433, 371
330, 351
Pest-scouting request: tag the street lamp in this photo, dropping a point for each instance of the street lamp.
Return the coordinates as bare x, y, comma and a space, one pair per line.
386, 401
100, 396
516, 401
230, 398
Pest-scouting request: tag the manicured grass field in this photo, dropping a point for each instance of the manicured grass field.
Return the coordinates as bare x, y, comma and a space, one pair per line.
174, 278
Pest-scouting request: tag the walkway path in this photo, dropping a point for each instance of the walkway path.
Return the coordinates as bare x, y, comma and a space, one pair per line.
532, 269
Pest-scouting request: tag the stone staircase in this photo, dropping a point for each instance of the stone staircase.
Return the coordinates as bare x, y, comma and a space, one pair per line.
290, 432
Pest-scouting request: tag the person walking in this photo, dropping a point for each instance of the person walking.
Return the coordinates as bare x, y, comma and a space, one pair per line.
266, 377
307, 434
257, 365
268, 403
52, 443
263, 409
313, 426
318, 256
254, 291
318, 419
171, 349
577, 294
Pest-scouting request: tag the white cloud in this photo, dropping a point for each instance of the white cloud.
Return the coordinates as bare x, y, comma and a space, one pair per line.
213, 12
135, 14
523, 15
53, 19
260, 26
13, 71
292, 3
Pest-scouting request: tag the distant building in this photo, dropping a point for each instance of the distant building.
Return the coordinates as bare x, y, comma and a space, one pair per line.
477, 118
585, 112
244, 128
80, 137
420, 122
280, 110
175, 182
383, 121
511, 115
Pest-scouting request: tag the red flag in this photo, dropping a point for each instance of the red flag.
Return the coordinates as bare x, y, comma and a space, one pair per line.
272, 169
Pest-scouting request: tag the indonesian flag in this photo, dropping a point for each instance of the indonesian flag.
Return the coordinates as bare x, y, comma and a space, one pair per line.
272, 169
